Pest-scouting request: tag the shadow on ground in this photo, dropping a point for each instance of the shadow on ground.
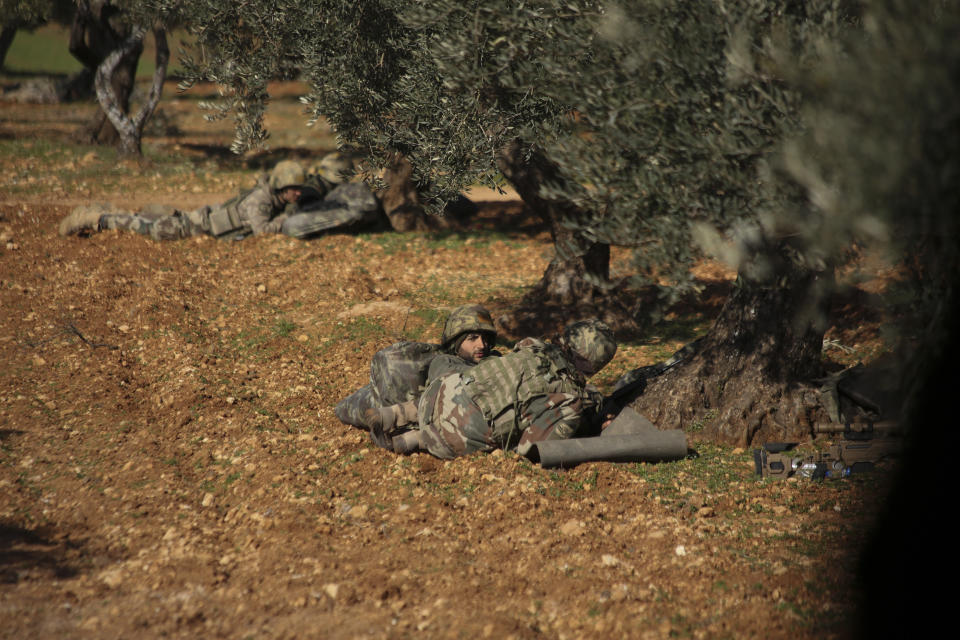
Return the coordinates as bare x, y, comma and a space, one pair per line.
25, 552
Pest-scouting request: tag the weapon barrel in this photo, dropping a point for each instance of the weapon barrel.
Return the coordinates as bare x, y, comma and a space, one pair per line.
656, 446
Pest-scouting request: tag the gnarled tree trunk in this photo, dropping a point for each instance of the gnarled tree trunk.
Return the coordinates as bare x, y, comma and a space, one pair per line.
98, 30
7, 34
404, 207
130, 130
576, 283
749, 381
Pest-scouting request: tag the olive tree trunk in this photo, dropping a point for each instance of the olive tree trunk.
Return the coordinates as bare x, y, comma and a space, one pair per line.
98, 30
7, 34
750, 380
577, 280
130, 129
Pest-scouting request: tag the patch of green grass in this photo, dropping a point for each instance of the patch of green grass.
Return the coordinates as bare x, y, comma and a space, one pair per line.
565, 483
476, 238
283, 327
443, 290
360, 330
249, 339
230, 479
430, 317
391, 243
713, 470
42, 164
41, 51
703, 421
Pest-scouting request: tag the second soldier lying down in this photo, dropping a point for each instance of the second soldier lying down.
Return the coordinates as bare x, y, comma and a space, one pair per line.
536, 392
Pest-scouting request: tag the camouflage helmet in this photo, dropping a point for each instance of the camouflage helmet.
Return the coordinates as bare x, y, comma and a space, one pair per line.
591, 343
287, 173
468, 318
335, 167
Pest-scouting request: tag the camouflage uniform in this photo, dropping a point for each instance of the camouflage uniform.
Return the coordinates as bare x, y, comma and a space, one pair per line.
534, 393
331, 201
346, 206
259, 210
323, 204
530, 394
399, 372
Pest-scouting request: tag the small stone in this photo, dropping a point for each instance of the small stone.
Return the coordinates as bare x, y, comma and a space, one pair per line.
111, 577
608, 560
90, 623
331, 589
680, 550
572, 528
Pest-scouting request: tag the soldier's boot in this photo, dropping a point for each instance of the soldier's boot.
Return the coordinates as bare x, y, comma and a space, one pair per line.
86, 217
378, 436
383, 421
407, 443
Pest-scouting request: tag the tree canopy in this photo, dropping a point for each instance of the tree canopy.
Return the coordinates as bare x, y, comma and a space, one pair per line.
659, 115
729, 126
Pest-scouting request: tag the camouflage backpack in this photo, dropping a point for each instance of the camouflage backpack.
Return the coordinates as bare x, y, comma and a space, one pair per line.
397, 374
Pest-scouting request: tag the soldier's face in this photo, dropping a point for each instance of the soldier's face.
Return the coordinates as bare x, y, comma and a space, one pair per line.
290, 194
474, 347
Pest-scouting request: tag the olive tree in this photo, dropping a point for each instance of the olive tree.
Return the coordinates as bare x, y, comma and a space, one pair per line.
379, 73
881, 156
669, 126
106, 36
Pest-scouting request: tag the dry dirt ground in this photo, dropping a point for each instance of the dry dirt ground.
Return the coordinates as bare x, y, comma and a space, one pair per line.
170, 464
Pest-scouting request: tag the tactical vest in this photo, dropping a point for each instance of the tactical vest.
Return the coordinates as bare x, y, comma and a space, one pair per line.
225, 218
511, 381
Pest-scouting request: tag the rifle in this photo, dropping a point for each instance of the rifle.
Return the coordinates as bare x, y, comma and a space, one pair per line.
857, 430
851, 455
634, 382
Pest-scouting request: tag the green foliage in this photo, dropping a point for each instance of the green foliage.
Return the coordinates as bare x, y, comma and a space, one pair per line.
742, 128
29, 14
660, 115
283, 327
882, 157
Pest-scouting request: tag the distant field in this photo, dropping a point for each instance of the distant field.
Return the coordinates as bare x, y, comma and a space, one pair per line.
46, 50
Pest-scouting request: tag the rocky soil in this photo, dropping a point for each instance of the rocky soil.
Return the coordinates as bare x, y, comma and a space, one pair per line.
170, 465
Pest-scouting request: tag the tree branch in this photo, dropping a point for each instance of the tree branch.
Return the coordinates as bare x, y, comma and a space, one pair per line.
159, 74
